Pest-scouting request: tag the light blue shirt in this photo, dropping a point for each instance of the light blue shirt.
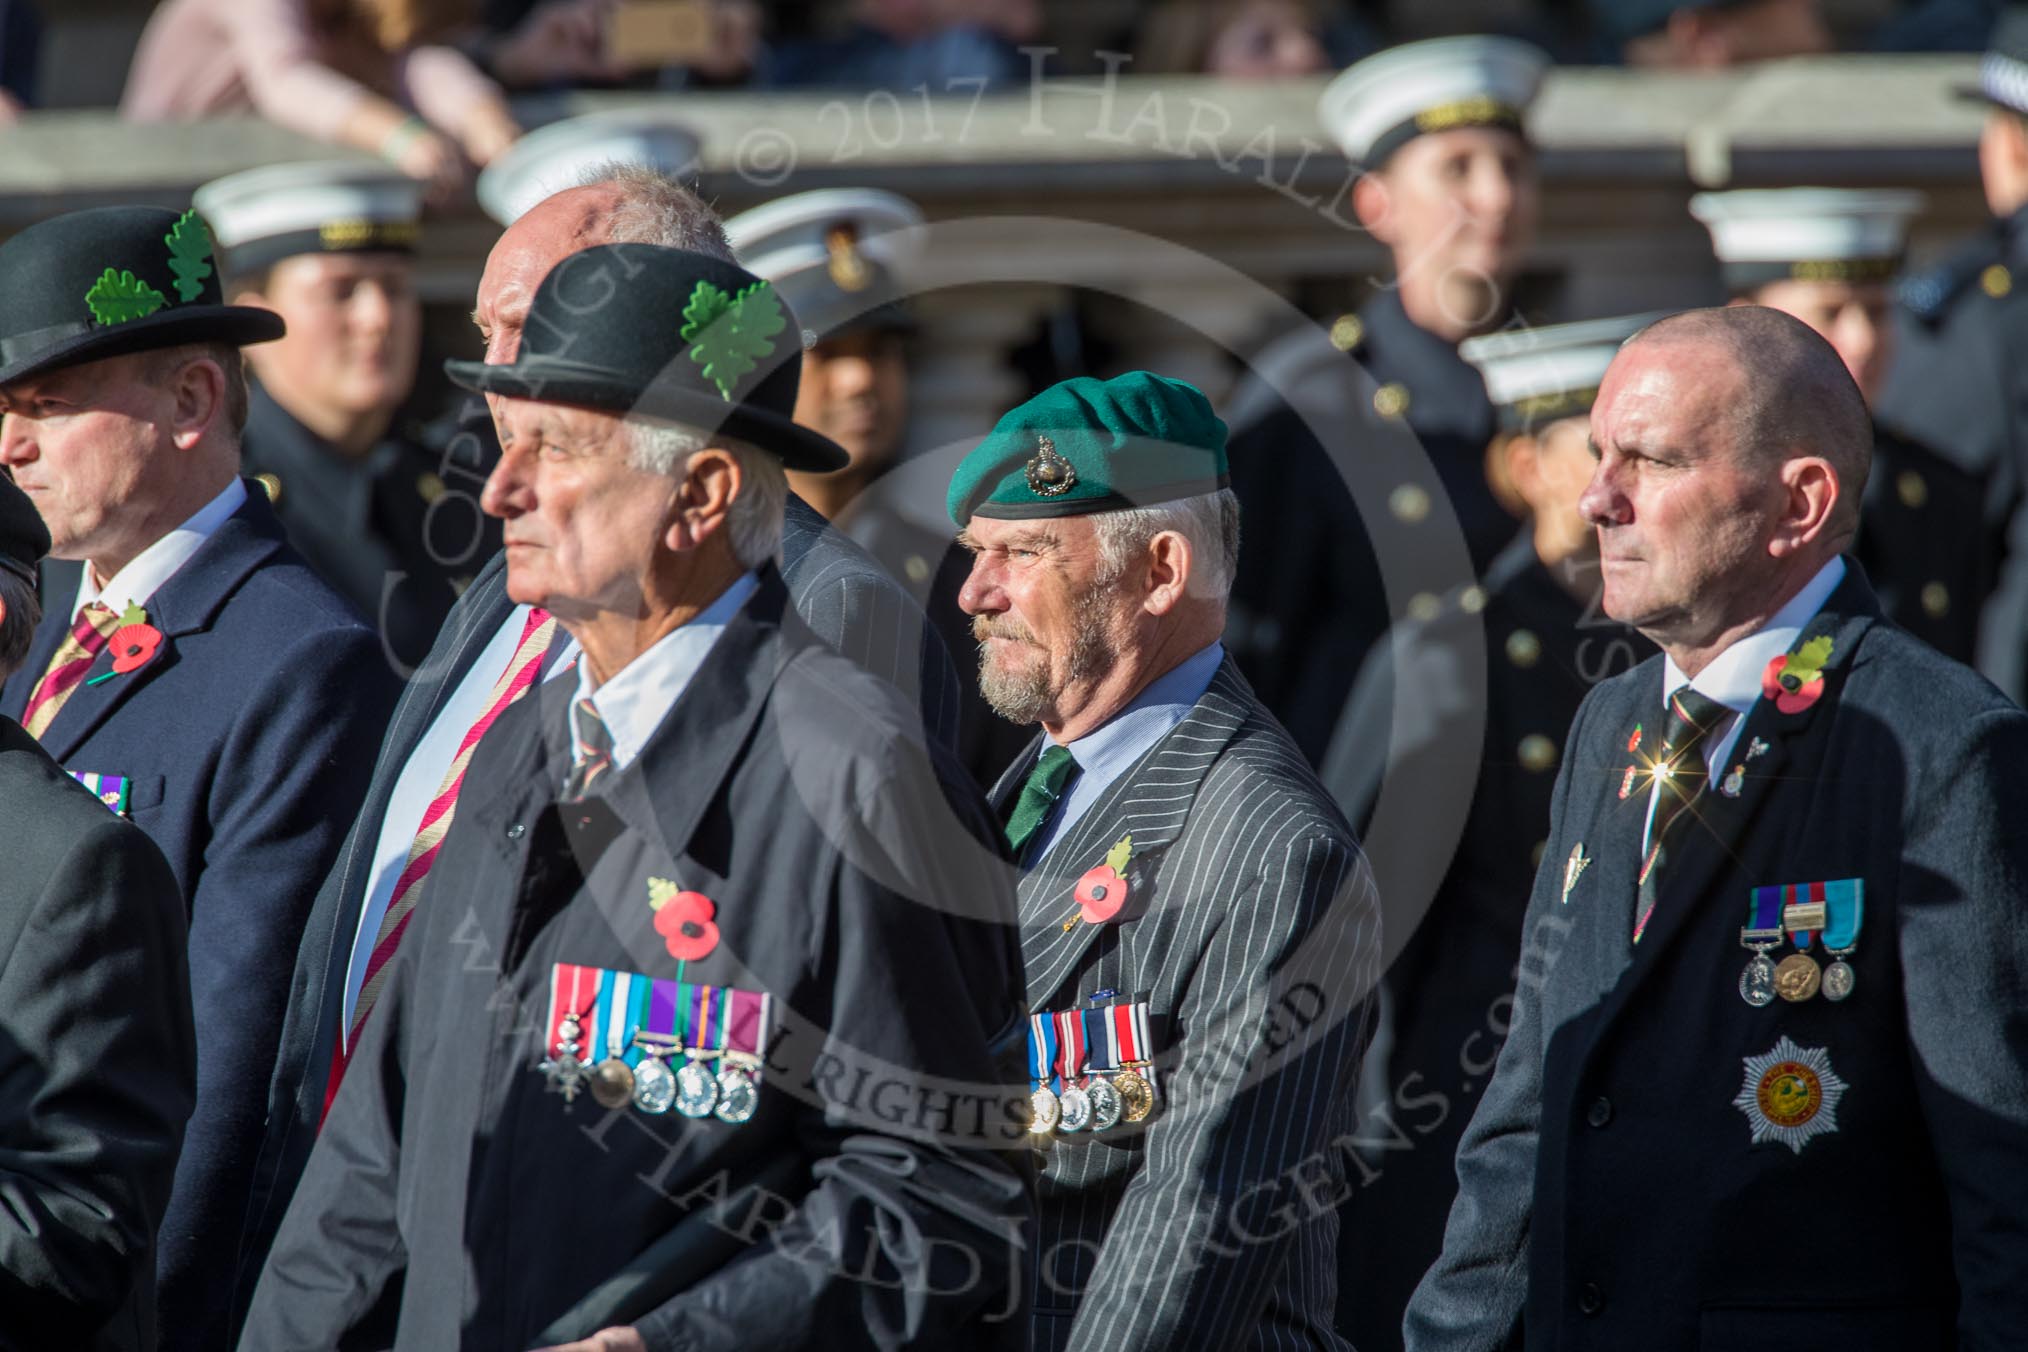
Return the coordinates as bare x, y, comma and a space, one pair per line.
1111, 749
636, 698
1733, 677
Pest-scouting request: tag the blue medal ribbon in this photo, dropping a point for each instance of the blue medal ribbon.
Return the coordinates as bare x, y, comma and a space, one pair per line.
1845, 910
1764, 914
1042, 1051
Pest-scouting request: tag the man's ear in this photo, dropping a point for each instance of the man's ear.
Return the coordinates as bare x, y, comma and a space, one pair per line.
1514, 470
1170, 560
1373, 205
1810, 504
712, 479
197, 402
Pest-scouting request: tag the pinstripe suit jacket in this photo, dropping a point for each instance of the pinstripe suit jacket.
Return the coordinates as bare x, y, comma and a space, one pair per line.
1252, 929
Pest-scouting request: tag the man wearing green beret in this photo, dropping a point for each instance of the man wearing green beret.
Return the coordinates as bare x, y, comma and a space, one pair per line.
1198, 924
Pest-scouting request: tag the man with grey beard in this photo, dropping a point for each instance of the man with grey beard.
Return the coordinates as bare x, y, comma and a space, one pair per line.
1199, 927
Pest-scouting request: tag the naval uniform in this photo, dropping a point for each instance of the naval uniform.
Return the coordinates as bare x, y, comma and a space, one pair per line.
1486, 691
1406, 422
398, 533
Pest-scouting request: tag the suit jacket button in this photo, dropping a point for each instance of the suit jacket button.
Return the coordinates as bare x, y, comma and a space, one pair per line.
516, 831
1590, 1300
1600, 1112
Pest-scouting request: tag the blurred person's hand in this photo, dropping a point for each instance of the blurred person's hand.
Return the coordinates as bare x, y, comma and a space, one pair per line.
10, 109
426, 155
735, 46
1011, 20
488, 133
560, 42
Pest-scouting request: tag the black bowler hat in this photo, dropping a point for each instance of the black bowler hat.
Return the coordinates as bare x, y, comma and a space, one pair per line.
112, 281
24, 539
663, 333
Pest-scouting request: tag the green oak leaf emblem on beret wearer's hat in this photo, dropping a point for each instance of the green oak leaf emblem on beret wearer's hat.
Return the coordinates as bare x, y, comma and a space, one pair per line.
189, 255
731, 334
118, 296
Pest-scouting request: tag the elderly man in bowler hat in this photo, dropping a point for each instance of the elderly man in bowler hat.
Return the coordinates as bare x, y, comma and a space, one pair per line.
189, 663
723, 884
96, 1049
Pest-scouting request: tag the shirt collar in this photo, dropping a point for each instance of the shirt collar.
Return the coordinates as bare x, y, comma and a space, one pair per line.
1733, 678
1110, 748
636, 698
137, 583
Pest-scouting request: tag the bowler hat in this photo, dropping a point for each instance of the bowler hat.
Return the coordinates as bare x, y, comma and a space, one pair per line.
664, 333
111, 281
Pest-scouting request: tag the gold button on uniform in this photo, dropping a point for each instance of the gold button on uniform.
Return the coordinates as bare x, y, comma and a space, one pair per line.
1524, 650
1346, 332
1409, 503
1537, 753
271, 484
1996, 281
430, 486
1911, 488
1936, 600
1424, 607
1391, 399
917, 568
1472, 600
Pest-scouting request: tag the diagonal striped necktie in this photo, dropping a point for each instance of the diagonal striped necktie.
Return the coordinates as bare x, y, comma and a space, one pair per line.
1681, 777
67, 668
515, 681
594, 751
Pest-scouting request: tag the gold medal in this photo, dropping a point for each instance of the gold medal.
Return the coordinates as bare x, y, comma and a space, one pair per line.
1042, 1111
1797, 977
612, 1083
1137, 1100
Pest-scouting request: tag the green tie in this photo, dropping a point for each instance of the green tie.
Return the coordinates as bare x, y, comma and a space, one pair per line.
1039, 793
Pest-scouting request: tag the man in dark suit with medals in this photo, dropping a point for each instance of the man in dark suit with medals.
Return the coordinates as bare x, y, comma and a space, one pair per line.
1198, 925
1773, 942
97, 1055
1370, 471
482, 661
744, 934
1454, 732
330, 247
188, 663
1826, 256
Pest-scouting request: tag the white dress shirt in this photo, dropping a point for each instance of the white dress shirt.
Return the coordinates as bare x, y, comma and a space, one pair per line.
423, 774
137, 583
1733, 677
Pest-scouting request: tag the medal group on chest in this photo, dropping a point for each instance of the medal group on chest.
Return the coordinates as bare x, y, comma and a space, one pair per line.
1801, 914
654, 1043
1091, 1069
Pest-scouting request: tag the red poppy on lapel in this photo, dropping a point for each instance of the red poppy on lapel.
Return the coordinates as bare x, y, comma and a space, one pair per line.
686, 926
134, 646
1793, 684
1102, 891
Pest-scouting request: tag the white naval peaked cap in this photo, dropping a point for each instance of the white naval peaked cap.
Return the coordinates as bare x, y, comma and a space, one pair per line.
1377, 105
550, 159
1538, 375
795, 232
260, 216
1764, 235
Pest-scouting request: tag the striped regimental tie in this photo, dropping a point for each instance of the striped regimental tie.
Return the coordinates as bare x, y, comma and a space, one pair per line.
74, 657
593, 755
517, 680
1680, 775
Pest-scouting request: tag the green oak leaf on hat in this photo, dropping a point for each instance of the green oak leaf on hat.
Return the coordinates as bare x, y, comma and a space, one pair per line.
1089, 445
24, 539
654, 332
111, 281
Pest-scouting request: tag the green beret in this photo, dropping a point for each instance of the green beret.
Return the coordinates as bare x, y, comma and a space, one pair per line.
1089, 445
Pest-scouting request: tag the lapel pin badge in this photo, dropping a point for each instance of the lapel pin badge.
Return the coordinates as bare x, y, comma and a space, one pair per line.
1573, 869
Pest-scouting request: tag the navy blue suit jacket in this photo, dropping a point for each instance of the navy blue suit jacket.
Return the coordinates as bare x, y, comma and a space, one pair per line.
247, 742
836, 590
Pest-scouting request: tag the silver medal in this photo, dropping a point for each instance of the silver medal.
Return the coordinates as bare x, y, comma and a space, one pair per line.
654, 1086
1757, 982
696, 1091
1076, 1106
1105, 1103
737, 1095
1043, 1111
1839, 979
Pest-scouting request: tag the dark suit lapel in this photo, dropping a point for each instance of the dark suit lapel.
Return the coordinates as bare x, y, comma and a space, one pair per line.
1152, 801
184, 605
1601, 896
1714, 836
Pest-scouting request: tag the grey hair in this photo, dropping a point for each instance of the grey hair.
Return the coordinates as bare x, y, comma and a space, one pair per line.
655, 208
17, 626
754, 523
1209, 521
